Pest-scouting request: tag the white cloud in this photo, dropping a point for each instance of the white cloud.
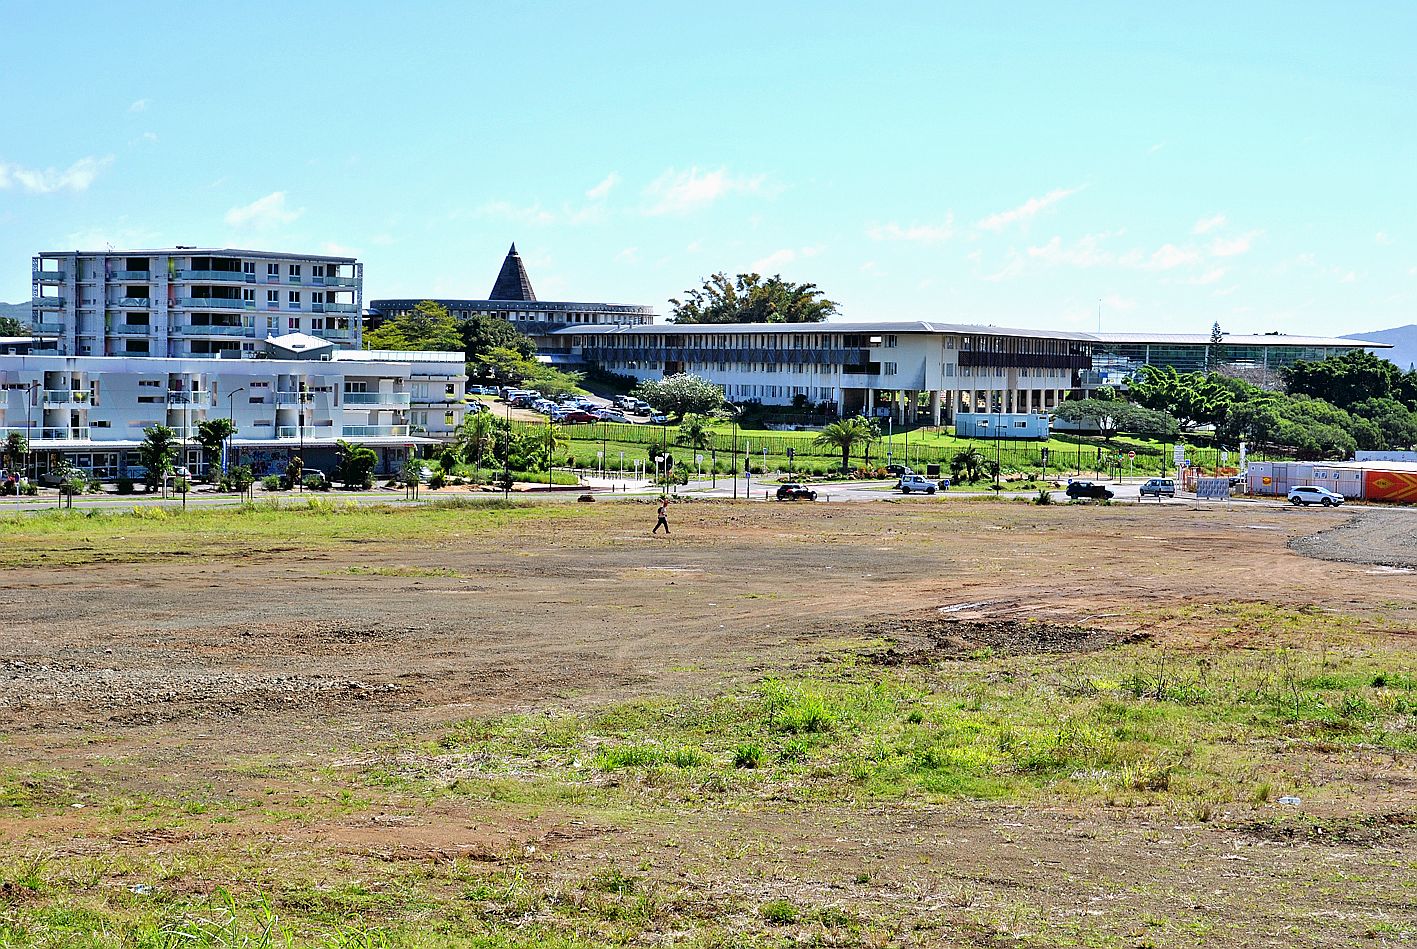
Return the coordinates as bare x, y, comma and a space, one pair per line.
1382, 238
338, 250
77, 177
679, 192
1156, 148
601, 190
774, 261
1086, 251
1013, 268
140, 106
1233, 246
1118, 303
872, 269
1027, 211
1169, 257
1208, 224
630, 255
917, 233
269, 211
506, 211
1214, 275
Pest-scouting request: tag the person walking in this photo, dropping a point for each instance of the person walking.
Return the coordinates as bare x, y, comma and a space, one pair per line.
662, 516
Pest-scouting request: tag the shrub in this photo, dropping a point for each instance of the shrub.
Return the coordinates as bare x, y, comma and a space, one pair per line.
271, 483
438, 480
628, 756
685, 758
747, 755
316, 483
779, 912
181, 485
1044, 497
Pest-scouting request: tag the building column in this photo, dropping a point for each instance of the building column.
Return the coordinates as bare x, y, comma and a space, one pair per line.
870, 402
900, 406
935, 407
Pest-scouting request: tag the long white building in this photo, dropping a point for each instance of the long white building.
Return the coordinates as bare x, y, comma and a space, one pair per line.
192, 302
301, 394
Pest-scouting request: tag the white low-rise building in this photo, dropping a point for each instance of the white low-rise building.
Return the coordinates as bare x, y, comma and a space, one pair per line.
297, 395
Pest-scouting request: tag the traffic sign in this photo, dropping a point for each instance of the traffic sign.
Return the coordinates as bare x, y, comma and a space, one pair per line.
1131, 454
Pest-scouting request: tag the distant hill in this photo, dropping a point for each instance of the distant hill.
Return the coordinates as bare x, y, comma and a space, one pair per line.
1403, 340
20, 311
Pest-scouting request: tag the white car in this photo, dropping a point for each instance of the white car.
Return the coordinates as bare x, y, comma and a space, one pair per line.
1313, 494
914, 482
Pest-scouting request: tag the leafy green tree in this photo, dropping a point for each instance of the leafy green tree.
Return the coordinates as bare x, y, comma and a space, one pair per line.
9, 326
212, 433
694, 432
158, 454
842, 435
1396, 423
1355, 376
1192, 398
748, 298
428, 326
869, 431
510, 366
968, 464
1118, 416
295, 471
482, 333
681, 394
355, 465
15, 450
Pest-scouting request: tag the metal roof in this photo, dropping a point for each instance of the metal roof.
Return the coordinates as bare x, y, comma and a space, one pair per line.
902, 326
1236, 339
196, 252
512, 282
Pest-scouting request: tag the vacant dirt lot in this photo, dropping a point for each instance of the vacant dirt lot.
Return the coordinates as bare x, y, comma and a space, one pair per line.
255, 682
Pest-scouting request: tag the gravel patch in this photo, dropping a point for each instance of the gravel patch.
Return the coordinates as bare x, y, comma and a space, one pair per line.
1377, 537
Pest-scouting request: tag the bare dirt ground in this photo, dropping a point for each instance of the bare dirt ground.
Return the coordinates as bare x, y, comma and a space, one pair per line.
174, 674
1371, 536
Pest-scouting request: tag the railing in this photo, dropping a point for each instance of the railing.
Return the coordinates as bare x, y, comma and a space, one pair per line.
131, 275
47, 327
308, 431
215, 330
65, 396
227, 276
134, 303
331, 333
54, 303
341, 308
39, 434
127, 329
396, 399
219, 303
293, 398
370, 431
49, 276
189, 397
334, 281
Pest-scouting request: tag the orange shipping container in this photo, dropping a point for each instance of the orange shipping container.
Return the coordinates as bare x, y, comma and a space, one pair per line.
1390, 486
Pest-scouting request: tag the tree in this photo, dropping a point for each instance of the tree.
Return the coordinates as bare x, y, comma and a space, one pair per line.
869, 431
968, 462
749, 298
9, 326
681, 394
1192, 398
428, 326
212, 433
1396, 423
694, 432
474, 437
1118, 416
509, 365
158, 454
482, 333
1355, 376
843, 435
355, 466
16, 449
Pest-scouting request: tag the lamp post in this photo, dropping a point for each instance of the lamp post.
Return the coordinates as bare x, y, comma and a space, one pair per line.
300, 430
185, 400
734, 411
507, 457
998, 446
29, 431
231, 425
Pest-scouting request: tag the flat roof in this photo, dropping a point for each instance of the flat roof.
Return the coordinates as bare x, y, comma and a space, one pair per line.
484, 304
901, 326
194, 252
1238, 339
397, 355
1403, 466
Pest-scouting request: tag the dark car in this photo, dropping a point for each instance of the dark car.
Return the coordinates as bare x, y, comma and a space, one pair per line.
1088, 489
795, 492
897, 470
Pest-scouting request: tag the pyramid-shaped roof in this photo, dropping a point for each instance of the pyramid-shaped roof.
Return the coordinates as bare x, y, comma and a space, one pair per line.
512, 282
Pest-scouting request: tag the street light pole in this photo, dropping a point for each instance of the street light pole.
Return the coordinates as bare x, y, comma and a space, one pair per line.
231, 425
29, 432
300, 429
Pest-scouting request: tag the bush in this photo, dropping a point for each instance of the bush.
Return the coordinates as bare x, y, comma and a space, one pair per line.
271, 483
747, 755
779, 912
181, 485
1044, 497
438, 480
125, 485
316, 483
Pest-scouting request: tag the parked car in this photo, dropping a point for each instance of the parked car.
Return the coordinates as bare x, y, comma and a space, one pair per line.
795, 492
1088, 489
911, 483
1307, 494
659, 419
610, 415
898, 470
1159, 488
579, 417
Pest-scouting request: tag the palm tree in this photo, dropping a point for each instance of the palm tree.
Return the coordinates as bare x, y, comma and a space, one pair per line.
475, 437
694, 432
868, 431
968, 462
843, 435
14, 451
211, 435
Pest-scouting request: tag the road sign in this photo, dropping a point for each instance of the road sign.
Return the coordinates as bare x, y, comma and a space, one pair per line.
1213, 489
698, 459
1131, 454
1225, 457
1179, 455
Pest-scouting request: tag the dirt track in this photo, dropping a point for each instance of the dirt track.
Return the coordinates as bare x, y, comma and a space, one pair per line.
157, 677
1371, 536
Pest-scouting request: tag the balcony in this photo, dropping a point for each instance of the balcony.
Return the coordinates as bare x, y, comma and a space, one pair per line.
389, 399
332, 333
39, 434
341, 308
213, 303
128, 329
66, 397
49, 303
293, 398
181, 397
49, 276
216, 329
337, 281
142, 275
47, 328
223, 276
373, 431
134, 303
308, 431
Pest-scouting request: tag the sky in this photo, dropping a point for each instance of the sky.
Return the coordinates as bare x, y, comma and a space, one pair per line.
1031, 164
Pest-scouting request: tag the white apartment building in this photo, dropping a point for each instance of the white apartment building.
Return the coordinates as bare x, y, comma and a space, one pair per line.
300, 396
912, 371
192, 302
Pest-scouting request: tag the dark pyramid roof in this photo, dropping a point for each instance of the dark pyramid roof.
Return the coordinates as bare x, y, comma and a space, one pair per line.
512, 282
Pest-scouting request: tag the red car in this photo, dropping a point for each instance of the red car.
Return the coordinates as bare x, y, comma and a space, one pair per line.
578, 417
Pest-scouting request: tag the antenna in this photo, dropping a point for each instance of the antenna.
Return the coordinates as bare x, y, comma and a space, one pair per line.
1099, 314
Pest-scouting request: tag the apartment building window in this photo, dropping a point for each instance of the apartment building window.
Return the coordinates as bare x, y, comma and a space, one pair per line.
949, 368
273, 271
317, 270
356, 386
294, 271
273, 299
150, 383
949, 342
292, 324
888, 368
248, 267
248, 296
448, 419
294, 299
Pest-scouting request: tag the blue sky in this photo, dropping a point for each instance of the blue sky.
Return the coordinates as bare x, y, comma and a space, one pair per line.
1254, 164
